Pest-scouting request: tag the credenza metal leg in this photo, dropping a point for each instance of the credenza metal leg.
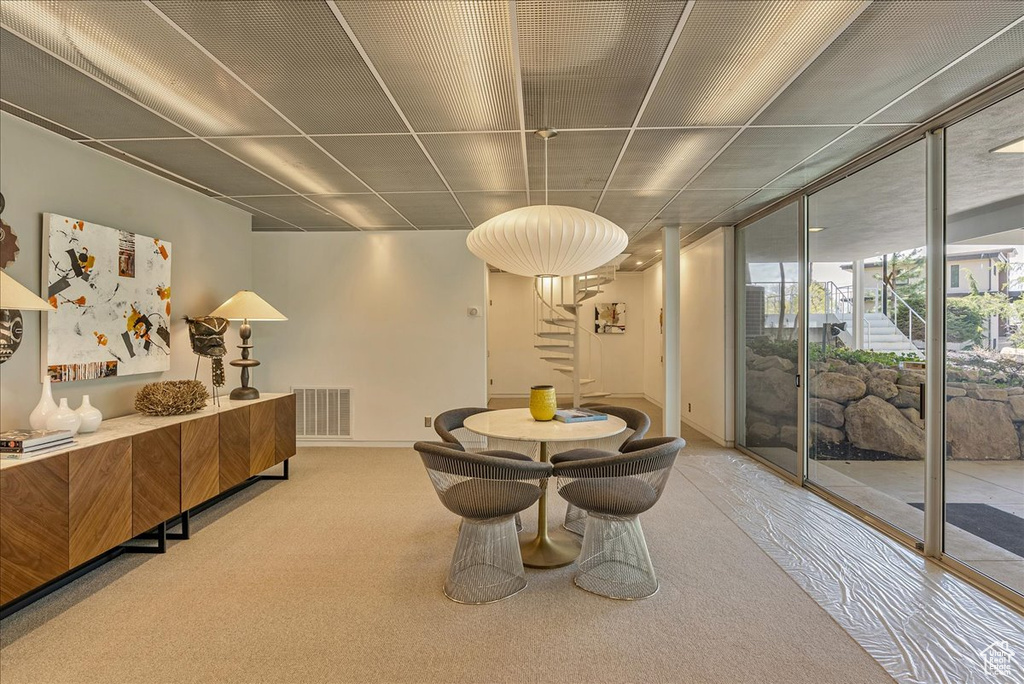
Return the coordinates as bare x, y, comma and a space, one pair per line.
159, 534
282, 476
183, 519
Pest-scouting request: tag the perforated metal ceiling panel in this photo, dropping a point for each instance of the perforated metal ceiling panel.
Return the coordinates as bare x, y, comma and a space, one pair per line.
483, 205
633, 206
760, 154
129, 47
387, 163
667, 159
844, 149
363, 211
589, 64
478, 161
702, 205
731, 57
748, 206
577, 160
999, 58
295, 162
896, 45
428, 209
198, 161
48, 87
40, 121
586, 200
105, 148
294, 54
448, 64
297, 210
260, 221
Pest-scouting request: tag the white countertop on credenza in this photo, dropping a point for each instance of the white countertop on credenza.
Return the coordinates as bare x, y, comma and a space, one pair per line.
130, 425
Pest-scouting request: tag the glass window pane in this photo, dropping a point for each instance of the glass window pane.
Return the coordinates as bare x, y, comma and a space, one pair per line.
866, 338
985, 343
769, 257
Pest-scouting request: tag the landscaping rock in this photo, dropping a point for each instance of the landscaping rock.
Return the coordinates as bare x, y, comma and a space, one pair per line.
1016, 404
823, 433
978, 430
769, 362
908, 397
828, 413
837, 387
887, 374
875, 424
755, 416
761, 434
787, 436
857, 371
773, 391
914, 416
1014, 391
955, 392
882, 388
988, 394
911, 378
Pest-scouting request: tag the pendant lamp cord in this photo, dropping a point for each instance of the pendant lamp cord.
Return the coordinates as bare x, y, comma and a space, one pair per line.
546, 171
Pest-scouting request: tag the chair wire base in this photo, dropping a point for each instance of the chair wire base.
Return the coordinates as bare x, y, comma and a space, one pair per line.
614, 561
575, 520
486, 566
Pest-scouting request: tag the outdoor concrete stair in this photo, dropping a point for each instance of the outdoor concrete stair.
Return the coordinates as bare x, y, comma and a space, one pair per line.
880, 334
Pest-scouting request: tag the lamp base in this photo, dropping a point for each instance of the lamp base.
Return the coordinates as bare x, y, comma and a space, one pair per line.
244, 394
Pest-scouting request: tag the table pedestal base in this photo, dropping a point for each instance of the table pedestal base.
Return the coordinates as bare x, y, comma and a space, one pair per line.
543, 551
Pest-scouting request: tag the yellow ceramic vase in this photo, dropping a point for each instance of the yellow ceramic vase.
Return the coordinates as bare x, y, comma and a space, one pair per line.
542, 402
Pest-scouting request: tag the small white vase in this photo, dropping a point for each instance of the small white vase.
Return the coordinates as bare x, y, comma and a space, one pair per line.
46, 406
90, 415
63, 419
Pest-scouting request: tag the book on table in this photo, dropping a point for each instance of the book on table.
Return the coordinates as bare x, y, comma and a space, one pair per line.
27, 439
38, 450
579, 415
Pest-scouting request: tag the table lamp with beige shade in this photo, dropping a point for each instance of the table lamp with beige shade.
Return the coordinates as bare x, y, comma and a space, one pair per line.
246, 306
15, 298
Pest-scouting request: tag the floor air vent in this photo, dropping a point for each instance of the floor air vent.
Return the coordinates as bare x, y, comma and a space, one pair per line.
323, 412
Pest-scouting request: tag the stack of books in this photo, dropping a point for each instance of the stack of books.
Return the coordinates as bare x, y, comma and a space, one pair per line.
33, 442
578, 415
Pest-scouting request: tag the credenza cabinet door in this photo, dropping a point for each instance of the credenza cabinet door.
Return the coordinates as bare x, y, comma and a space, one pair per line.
156, 477
284, 432
234, 447
200, 461
100, 499
262, 446
33, 525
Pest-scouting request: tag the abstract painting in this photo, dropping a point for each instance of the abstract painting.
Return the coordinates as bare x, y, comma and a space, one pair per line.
610, 317
112, 290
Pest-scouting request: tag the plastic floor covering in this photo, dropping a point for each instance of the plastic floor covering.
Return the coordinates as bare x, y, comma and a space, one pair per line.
923, 624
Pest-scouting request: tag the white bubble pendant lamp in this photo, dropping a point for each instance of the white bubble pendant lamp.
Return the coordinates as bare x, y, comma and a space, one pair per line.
549, 240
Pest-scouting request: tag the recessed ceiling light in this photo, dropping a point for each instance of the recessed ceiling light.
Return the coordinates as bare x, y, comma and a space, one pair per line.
816, 229
1012, 147
639, 263
657, 251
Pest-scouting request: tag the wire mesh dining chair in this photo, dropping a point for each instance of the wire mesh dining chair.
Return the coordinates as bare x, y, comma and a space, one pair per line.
486, 491
614, 489
637, 425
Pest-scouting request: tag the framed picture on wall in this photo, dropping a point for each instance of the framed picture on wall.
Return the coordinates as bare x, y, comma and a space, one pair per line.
610, 317
112, 290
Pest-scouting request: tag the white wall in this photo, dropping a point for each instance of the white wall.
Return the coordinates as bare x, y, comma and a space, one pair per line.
42, 172
706, 340
513, 362
383, 313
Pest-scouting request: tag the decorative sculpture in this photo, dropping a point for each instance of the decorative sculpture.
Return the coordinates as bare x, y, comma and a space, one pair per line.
171, 398
8, 240
206, 334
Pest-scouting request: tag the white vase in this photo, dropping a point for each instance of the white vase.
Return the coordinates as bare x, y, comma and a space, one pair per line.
90, 415
63, 419
46, 406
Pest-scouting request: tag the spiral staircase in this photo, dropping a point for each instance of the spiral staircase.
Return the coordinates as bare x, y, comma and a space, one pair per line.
564, 340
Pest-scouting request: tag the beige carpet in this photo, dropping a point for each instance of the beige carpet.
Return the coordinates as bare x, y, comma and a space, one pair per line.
335, 576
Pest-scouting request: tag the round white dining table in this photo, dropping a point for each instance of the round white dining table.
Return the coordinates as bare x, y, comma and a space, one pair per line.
548, 549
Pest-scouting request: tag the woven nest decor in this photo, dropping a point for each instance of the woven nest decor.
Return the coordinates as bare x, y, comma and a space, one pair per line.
171, 398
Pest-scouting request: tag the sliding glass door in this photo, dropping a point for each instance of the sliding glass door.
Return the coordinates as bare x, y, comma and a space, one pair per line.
769, 287
865, 336
984, 470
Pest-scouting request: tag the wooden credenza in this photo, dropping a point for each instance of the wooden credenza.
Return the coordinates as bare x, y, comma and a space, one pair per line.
61, 510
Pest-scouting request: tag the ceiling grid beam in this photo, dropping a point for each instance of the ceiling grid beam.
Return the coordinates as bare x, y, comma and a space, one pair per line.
336, 11
796, 74
513, 19
647, 97
272, 108
863, 123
